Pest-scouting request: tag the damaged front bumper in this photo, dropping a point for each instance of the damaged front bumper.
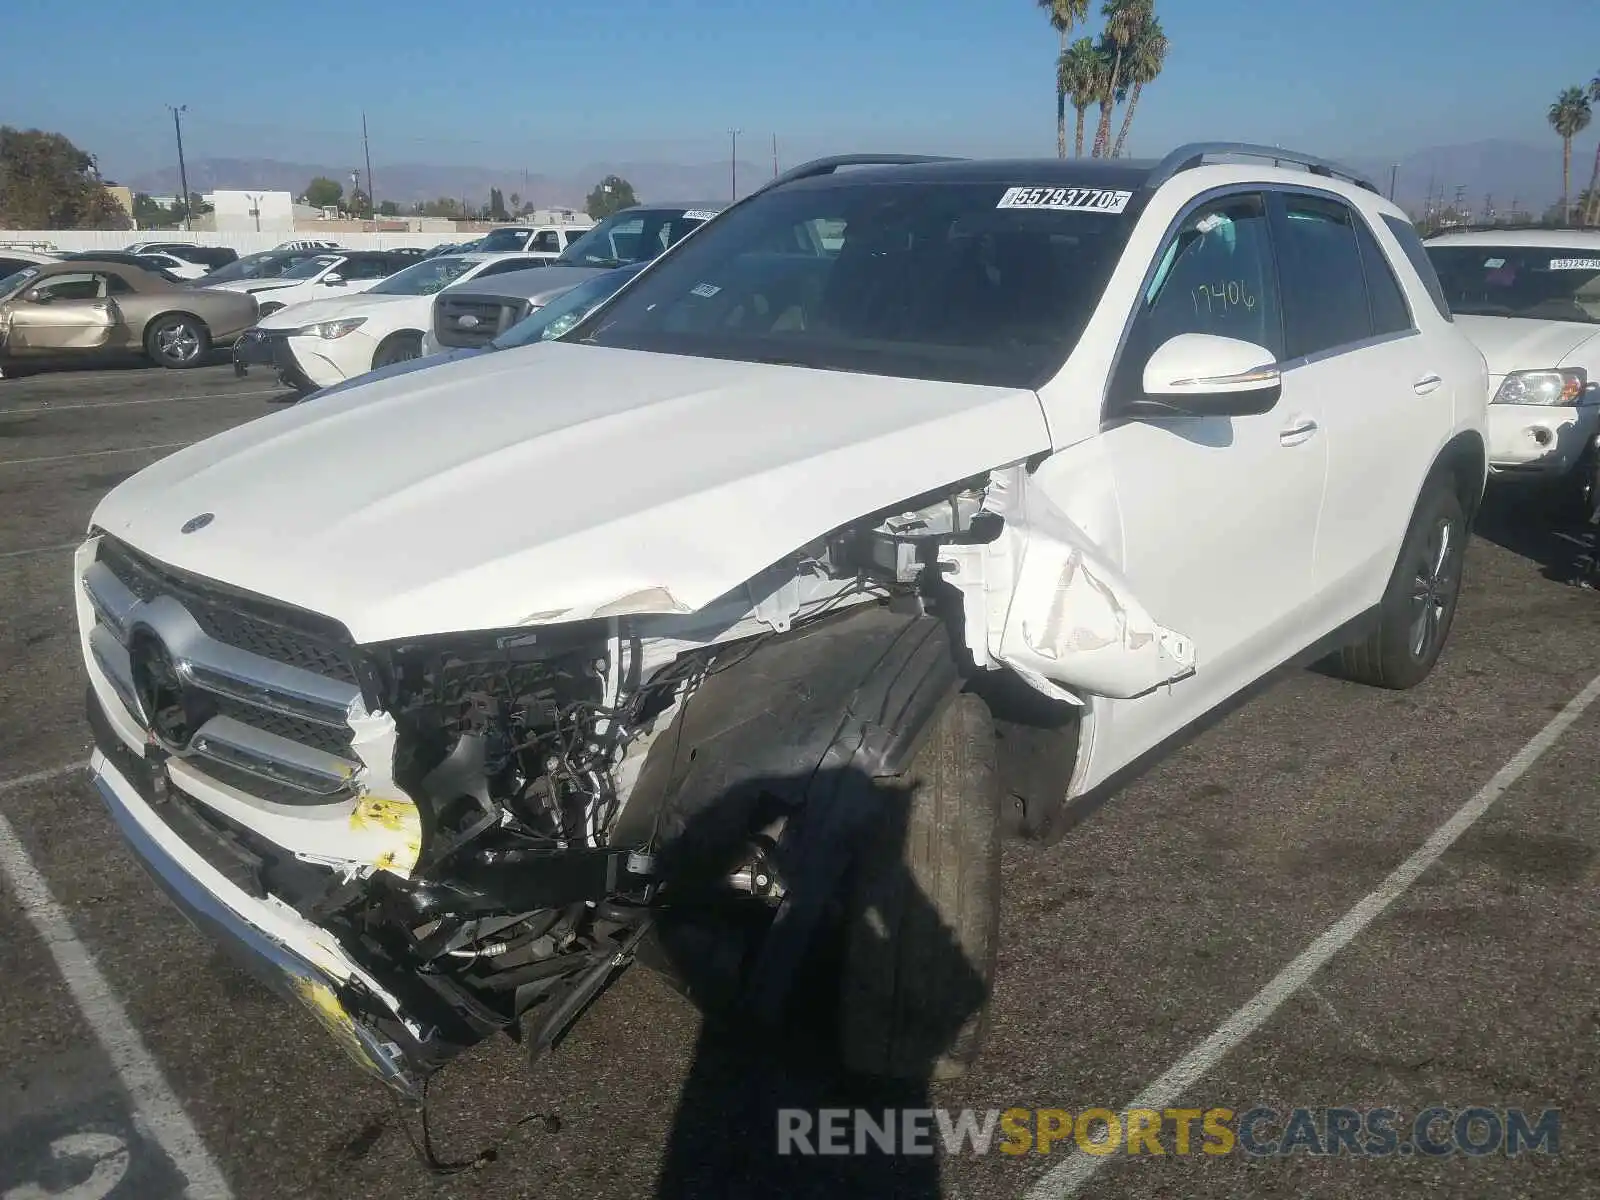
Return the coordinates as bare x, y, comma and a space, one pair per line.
259, 347
264, 935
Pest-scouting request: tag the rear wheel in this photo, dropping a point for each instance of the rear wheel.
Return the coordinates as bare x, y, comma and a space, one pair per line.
177, 341
396, 348
1420, 601
923, 912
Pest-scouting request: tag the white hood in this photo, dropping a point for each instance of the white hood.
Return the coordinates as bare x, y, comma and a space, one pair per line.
1519, 344
253, 285
545, 483
332, 309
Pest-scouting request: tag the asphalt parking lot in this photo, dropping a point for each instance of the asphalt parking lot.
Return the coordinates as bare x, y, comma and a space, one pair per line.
132, 1056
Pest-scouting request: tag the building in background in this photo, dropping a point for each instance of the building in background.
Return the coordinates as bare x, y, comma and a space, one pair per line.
250, 211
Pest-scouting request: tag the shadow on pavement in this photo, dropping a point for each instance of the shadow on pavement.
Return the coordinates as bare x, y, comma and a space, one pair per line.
1541, 529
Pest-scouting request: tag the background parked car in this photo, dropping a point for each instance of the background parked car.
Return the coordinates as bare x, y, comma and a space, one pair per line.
1530, 300
210, 257
12, 261
325, 342
176, 267
138, 261
309, 278
88, 307
548, 240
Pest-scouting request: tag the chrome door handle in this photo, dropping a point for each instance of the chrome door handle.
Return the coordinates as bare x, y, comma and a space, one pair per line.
1299, 432
1426, 384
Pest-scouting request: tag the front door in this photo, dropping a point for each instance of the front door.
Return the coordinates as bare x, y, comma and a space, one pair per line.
1218, 514
63, 313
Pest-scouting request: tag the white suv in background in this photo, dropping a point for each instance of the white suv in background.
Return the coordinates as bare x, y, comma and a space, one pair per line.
440, 693
1530, 299
323, 342
545, 241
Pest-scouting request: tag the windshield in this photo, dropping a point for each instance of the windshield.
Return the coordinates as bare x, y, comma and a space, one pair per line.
310, 268
424, 278
17, 281
565, 311
965, 282
1540, 282
502, 240
268, 264
633, 235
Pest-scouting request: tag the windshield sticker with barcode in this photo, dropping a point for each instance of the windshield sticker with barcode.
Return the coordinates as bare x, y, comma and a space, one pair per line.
1575, 264
699, 214
1493, 264
707, 290
1066, 199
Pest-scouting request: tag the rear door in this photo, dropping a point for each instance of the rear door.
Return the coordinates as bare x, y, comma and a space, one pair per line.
1353, 341
64, 313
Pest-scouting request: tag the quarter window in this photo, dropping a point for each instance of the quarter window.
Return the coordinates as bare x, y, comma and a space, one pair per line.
1390, 312
1417, 255
547, 239
1215, 276
1324, 289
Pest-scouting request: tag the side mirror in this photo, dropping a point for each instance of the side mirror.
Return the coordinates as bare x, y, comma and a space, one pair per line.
332, 279
37, 296
1203, 375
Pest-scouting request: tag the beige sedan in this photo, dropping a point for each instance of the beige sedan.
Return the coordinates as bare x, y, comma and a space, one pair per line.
86, 308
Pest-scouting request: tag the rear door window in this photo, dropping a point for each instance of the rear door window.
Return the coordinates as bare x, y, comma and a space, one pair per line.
1417, 255
1390, 312
1325, 302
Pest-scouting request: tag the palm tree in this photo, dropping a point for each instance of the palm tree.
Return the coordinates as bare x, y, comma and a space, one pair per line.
1065, 16
1569, 116
1593, 205
1147, 54
1078, 76
1124, 19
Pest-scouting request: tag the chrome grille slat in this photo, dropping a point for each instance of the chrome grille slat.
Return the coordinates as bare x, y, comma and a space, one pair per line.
273, 729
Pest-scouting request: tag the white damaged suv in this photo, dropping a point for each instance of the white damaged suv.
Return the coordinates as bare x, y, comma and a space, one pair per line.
906, 504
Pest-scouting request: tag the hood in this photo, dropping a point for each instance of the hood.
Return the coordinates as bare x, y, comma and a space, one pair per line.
331, 309
1519, 344
539, 284
548, 482
250, 285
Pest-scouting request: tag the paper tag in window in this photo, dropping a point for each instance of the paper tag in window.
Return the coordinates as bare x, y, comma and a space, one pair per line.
1493, 264
699, 214
1066, 199
707, 290
1575, 264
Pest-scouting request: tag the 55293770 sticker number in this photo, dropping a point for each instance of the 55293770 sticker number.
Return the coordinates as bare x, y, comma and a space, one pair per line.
1066, 199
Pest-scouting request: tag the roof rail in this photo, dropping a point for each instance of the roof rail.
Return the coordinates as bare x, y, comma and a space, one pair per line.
1194, 154
827, 166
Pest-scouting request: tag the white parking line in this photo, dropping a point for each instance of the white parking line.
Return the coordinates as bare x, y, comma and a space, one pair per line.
157, 1110
36, 409
1069, 1177
28, 462
38, 550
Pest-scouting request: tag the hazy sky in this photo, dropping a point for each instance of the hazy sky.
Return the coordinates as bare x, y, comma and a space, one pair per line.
547, 86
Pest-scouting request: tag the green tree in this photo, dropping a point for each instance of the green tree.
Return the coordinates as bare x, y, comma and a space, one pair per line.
1065, 16
48, 183
497, 206
1147, 55
1079, 75
1569, 116
388, 208
323, 192
1591, 205
611, 194
148, 213
1124, 20
359, 204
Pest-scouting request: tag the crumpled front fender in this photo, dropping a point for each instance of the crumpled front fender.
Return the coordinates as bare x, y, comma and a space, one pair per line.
1045, 601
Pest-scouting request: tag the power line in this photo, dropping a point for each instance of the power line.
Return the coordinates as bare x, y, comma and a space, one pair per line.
733, 162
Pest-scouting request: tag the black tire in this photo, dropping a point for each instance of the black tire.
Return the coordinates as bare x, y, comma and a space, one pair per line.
397, 347
266, 310
923, 913
1401, 653
177, 341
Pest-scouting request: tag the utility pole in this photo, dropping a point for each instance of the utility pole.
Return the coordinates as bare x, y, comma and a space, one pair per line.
372, 199
774, 156
1394, 173
183, 174
255, 208
1488, 208
733, 162
355, 186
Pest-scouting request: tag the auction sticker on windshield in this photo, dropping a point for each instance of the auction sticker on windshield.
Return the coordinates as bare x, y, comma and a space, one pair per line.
699, 214
1575, 264
1066, 199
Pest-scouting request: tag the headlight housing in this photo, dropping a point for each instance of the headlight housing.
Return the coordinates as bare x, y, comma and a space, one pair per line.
329, 330
1566, 386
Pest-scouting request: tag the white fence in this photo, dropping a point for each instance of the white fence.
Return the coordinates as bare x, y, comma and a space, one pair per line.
245, 243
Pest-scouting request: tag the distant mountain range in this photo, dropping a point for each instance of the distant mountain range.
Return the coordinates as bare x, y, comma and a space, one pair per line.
1503, 170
